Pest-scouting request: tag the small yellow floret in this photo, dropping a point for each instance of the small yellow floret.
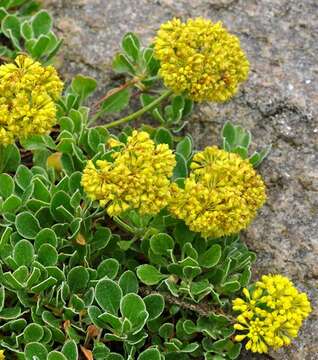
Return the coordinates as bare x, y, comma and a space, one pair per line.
201, 59
28, 92
2, 356
272, 315
138, 178
221, 196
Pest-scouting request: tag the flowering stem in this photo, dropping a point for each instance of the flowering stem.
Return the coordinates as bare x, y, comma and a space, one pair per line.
124, 225
136, 114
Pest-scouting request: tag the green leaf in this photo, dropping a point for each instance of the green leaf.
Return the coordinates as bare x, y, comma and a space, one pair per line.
70, 350
35, 350
10, 26
108, 295
100, 351
150, 354
190, 272
6, 185
178, 103
131, 307
112, 320
184, 147
181, 168
3, 12
40, 46
164, 136
5, 237
84, 86
122, 65
155, 305
45, 236
166, 330
11, 204
160, 244
77, 279
245, 277
41, 23
189, 327
117, 101
94, 139
211, 257
60, 207
151, 63
131, 45
228, 132
39, 142
23, 177
114, 356
11, 155
45, 284
33, 332
27, 225
10, 313
257, 158
149, 275
128, 282
26, 30
56, 355
23, 253
235, 351
2, 297
231, 286
240, 150
109, 268
47, 255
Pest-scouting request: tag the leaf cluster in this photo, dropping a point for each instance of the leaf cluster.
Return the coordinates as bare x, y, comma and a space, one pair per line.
27, 31
77, 284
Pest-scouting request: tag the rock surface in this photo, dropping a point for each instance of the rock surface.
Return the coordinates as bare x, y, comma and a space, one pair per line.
278, 104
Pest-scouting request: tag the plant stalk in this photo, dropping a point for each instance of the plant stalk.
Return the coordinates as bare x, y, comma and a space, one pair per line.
136, 114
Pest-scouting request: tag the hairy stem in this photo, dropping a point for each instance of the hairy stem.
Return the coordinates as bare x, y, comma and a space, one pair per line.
202, 309
136, 114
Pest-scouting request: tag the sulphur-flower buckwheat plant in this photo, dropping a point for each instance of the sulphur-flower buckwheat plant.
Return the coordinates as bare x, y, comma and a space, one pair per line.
201, 59
127, 245
221, 195
28, 92
138, 178
271, 314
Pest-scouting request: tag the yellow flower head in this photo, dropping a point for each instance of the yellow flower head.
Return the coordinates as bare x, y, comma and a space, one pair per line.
27, 99
201, 59
138, 177
221, 196
271, 314
2, 356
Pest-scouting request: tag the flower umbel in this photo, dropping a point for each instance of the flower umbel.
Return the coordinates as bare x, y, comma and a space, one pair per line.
201, 59
27, 99
272, 313
138, 177
221, 196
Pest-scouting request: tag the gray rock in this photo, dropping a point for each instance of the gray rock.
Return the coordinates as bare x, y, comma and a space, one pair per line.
278, 104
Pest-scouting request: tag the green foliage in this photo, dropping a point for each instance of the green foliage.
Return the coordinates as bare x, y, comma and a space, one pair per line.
65, 271
75, 282
238, 140
27, 30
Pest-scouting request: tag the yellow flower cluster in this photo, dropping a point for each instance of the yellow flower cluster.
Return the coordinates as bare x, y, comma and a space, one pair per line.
2, 356
221, 196
271, 315
201, 59
27, 94
138, 177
